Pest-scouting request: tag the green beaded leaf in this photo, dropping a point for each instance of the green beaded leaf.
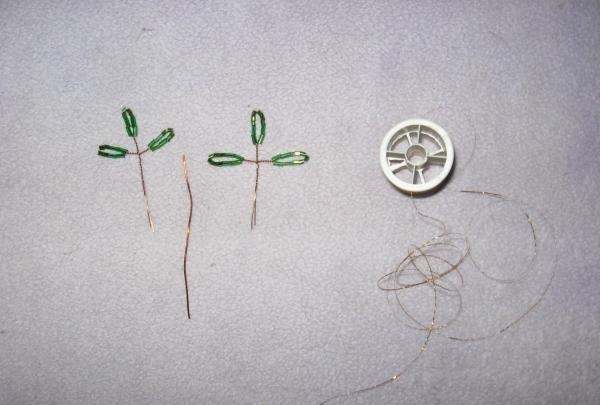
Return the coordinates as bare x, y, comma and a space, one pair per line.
114, 151
263, 127
225, 159
290, 158
160, 141
130, 122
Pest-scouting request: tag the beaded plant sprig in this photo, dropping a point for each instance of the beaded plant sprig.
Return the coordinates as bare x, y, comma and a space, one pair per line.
116, 152
233, 159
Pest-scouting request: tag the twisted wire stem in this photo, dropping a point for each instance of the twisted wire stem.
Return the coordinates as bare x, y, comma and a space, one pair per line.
253, 216
257, 161
139, 155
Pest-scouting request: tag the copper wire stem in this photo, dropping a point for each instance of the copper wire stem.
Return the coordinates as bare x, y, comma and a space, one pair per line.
257, 162
187, 235
253, 216
139, 155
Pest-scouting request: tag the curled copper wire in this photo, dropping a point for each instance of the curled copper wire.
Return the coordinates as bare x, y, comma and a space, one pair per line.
433, 271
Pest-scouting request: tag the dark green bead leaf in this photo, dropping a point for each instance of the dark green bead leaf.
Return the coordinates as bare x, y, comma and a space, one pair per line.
225, 159
162, 139
113, 151
263, 127
290, 158
130, 122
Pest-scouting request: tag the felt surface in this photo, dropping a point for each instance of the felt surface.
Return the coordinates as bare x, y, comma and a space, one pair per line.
92, 303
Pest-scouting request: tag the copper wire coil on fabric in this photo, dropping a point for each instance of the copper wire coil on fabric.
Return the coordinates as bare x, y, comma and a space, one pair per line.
437, 267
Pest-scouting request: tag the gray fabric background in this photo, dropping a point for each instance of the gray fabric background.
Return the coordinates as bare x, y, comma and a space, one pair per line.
92, 304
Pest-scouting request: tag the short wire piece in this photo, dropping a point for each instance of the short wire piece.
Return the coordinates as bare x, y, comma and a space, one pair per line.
131, 128
233, 159
188, 229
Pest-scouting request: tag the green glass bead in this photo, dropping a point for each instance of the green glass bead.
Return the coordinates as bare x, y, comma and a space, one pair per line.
225, 159
114, 151
162, 139
263, 127
130, 122
290, 158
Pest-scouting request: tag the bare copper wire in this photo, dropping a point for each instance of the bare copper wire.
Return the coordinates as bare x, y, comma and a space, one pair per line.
257, 161
500, 197
433, 279
422, 348
139, 155
539, 299
530, 221
483, 193
187, 234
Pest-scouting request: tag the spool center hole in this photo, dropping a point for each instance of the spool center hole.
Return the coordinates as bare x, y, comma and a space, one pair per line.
416, 155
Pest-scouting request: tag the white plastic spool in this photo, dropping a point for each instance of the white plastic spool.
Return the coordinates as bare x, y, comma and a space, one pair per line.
416, 155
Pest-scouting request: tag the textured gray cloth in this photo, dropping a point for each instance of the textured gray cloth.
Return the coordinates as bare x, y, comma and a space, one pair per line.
92, 303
